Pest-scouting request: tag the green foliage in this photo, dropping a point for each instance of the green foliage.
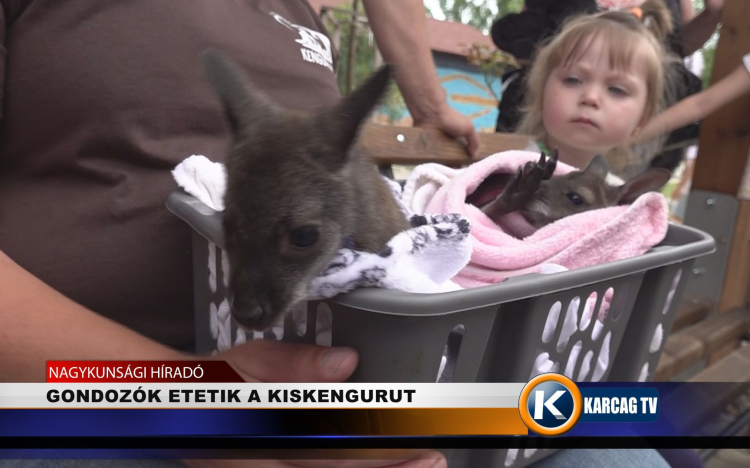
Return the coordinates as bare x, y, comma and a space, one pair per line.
709, 54
466, 11
492, 62
509, 6
393, 106
481, 14
708, 50
478, 13
364, 55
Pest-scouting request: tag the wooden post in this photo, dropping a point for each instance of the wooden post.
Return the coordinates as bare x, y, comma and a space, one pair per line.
723, 150
387, 144
736, 288
725, 135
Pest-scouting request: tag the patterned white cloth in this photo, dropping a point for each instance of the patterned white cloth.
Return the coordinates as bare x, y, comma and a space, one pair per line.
422, 259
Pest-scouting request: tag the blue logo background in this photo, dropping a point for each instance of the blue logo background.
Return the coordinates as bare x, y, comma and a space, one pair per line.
638, 393
564, 404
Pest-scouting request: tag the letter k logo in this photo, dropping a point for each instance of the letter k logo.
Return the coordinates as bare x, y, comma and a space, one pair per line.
549, 404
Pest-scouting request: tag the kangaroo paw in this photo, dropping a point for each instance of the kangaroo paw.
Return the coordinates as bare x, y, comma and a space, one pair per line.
550, 165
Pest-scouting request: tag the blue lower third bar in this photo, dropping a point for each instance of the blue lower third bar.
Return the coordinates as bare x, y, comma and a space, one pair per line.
620, 405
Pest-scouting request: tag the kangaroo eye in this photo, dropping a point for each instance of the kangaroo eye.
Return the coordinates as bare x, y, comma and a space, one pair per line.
303, 237
575, 198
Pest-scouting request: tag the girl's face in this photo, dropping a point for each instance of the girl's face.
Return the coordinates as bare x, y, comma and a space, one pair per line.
589, 108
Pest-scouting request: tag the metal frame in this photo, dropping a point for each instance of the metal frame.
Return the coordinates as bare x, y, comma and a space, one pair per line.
714, 213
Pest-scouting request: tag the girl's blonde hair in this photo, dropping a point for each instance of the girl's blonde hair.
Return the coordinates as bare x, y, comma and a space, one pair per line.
623, 32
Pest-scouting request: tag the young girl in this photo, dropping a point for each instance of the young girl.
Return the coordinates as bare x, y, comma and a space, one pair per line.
597, 83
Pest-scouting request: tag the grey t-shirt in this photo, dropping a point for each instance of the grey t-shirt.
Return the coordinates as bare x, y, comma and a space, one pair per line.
101, 99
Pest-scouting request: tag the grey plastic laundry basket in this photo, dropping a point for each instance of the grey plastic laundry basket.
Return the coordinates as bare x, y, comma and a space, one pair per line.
499, 330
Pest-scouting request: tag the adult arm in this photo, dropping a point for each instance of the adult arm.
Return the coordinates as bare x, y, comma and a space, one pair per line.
698, 106
400, 31
40, 324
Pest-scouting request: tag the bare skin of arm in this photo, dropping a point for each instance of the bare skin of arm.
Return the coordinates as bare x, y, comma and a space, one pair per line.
697, 106
396, 458
401, 34
40, 324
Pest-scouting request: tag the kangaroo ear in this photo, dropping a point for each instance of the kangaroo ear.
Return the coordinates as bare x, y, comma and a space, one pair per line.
242, 106
652, 179
598, 167
343, 121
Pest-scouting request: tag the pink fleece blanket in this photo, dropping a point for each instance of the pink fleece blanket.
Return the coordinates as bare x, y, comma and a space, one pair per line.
514, 247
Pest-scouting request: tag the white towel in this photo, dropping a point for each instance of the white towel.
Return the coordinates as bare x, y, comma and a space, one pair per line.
203, 179
423, 182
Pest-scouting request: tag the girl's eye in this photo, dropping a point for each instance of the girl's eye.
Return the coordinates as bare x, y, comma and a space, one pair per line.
571, 80
617, 91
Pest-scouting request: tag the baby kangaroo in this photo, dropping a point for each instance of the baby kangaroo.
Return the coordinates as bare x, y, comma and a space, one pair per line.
543, 199
297, 188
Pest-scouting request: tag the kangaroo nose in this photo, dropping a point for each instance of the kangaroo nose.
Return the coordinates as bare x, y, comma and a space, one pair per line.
247, 312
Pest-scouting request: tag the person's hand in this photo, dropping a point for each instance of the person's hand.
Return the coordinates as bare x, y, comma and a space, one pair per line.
274, 361
364, 459
452, 123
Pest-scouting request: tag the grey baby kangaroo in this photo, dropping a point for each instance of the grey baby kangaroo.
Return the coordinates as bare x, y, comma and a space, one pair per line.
297, 188
543, 199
